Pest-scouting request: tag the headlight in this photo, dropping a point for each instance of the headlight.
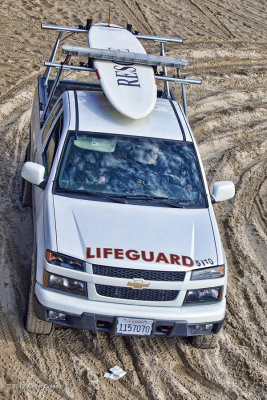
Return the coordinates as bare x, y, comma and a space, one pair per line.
64, 261
208, 273
202, 295
65, 284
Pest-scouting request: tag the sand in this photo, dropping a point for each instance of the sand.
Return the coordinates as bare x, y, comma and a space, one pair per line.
225, 44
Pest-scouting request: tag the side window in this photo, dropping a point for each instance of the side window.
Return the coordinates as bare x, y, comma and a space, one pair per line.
51, 147
51, 119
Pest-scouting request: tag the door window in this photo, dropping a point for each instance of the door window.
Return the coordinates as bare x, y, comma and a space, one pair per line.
51, 119
52, 144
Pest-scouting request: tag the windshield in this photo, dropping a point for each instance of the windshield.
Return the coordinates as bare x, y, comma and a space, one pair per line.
131, 168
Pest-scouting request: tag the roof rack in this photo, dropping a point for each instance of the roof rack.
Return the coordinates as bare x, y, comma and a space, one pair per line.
122, 56
84, 29
114, 55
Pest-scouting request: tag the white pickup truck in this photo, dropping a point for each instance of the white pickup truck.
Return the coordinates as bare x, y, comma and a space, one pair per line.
126, 239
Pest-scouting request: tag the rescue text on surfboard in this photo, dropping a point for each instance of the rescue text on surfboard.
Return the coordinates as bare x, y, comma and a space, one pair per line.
127, 76
134, 255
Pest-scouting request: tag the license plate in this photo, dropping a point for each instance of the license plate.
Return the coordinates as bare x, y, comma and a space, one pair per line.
134, 326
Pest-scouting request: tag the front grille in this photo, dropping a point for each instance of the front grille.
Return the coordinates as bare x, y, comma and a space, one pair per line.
119, 292
128, 273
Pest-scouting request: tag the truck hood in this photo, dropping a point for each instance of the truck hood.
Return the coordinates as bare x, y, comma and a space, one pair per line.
134, 236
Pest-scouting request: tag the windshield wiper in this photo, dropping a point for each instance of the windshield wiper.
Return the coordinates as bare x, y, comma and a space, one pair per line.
95, 194
145, 197
122, 198
148, 197
174, 205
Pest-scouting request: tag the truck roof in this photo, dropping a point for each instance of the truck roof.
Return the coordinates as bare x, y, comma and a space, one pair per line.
96, 114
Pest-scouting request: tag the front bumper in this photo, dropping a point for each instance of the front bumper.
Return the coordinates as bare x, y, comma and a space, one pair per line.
94, 316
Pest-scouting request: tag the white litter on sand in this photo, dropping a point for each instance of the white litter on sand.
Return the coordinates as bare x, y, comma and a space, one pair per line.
116, 373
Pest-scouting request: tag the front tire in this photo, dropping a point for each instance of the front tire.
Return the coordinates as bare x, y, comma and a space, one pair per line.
204, 341
26, 190
32, 323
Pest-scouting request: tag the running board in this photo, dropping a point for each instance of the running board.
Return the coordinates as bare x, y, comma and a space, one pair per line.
124, 57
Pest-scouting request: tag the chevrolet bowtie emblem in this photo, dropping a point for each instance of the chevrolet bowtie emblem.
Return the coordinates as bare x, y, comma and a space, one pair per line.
138, 284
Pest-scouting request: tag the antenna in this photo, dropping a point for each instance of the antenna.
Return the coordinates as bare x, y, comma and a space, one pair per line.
109, 15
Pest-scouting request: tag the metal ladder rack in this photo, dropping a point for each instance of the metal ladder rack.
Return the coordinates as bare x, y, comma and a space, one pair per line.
113, 55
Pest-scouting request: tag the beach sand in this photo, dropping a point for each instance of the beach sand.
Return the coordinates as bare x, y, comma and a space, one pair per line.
225, 43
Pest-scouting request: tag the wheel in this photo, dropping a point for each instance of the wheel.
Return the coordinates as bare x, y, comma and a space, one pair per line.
26, 195
204, 341
32, 323
26, 189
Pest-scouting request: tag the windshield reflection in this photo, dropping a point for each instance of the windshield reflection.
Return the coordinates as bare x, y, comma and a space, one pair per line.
131, 166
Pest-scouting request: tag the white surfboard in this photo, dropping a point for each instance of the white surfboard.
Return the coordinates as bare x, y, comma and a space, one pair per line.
130, 88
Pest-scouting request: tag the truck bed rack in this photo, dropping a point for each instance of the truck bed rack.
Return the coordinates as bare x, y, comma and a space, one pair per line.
110, 55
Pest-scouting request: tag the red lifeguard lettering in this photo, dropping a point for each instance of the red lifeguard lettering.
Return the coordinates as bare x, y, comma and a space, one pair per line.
174, 259
88, 253
147, 256
151, 258
135, 255
106, 252
187, 261
118, 254
162, 257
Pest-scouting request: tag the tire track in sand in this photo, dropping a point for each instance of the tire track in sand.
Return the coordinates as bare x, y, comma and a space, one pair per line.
135, 16
228, 120
208, 17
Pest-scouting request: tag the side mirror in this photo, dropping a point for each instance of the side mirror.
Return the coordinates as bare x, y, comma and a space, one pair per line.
223, 190
33, 173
